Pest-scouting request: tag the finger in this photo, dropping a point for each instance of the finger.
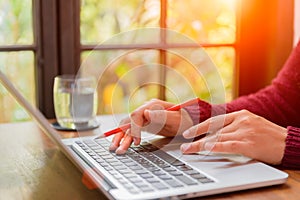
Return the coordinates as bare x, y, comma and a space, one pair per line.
235, 147
125, 144
136, 123
208, 142
223, 137
136, 141
231, 127
192, 147
116, 141
138, 118
210, 125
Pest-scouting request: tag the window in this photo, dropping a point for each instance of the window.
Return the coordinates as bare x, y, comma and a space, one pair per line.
17, 55
211, 24
40, 39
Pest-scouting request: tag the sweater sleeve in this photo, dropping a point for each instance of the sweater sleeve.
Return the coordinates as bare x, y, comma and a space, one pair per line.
278, 102
291, 158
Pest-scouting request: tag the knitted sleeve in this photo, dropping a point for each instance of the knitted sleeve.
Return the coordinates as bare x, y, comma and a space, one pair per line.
291, 158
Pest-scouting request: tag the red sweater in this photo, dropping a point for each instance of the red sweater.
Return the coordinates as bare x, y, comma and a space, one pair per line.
278, 102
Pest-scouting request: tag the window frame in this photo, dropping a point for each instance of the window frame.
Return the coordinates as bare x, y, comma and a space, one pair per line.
58, 45
162, 47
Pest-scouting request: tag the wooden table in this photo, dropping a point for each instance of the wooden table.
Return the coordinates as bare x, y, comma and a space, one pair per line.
32, 167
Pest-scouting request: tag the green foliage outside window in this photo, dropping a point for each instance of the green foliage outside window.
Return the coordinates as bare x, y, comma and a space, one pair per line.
208, 22
16, 29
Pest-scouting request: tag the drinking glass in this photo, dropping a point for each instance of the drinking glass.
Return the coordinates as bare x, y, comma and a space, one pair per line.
75, 101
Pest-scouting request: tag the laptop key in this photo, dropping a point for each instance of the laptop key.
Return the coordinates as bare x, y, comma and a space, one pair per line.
152, 180
146, 175
198, 176
99, 160
205, 180
140, 184
159, 186
104, 164
165, 177
186, 180
117, 163
134, 168
130, 175
134, 191
192, 172
170, 169
125, 171
159, 173
184, 167
108, 168
141, 171
164, 156
173, 183
146, 189
120, 167
136, 180
152, 169
176, 173
130, 163
125, 160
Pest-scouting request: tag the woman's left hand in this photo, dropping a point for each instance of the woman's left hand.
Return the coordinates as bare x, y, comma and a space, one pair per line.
240, 132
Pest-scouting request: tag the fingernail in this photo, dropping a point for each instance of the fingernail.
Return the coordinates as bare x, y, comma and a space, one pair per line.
184, 147
186, 133
120, 151
147, 111
112, 147
208, 145
135, 141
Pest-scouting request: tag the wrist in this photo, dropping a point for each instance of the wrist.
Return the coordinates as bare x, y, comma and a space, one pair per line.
199, 111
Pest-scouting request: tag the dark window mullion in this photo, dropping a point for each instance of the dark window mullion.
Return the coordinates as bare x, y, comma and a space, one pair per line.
17, 48
48, 59
36, 43
162, 51
151, 46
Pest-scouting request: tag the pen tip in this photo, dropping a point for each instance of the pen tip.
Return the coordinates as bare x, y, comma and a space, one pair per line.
100, 137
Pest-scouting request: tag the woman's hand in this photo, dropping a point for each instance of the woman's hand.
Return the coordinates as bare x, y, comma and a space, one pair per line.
151, 117
240, 132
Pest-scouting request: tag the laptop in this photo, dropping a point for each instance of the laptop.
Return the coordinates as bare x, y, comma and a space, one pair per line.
156, 169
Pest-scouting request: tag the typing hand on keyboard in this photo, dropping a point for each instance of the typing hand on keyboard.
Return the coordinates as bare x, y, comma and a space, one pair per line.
144, 168
153, 118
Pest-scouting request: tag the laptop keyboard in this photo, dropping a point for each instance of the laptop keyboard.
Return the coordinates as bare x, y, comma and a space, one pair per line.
144, 168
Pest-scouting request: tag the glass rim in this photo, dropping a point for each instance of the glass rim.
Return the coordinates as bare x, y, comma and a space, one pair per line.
72, 78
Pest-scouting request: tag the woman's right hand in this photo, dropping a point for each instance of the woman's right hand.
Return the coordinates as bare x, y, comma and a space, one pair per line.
153, 118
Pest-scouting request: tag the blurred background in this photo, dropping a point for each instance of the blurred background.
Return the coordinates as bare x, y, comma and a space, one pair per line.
247, 40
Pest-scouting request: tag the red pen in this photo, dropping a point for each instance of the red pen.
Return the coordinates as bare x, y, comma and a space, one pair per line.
124, 127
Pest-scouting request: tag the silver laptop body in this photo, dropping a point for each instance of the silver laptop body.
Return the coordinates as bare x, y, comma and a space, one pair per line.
156, 169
